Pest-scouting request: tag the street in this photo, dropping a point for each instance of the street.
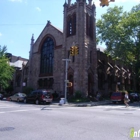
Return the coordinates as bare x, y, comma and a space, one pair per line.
20, 121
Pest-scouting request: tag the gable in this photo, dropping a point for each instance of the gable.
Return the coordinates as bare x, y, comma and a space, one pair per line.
48, 31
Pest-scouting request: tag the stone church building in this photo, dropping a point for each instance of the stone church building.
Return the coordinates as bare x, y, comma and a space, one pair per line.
46, 67
89, 71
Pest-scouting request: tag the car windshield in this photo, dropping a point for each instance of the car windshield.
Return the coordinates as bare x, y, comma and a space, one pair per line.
46, 92
116, 94
22, 94
135, 94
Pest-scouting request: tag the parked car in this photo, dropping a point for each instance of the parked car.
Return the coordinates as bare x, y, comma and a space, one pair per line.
17, 97
135, 96
1, 96
39, 96
117, 97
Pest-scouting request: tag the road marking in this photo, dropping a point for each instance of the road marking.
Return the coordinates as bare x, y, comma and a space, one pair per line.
118, 107
6, 107
22, 110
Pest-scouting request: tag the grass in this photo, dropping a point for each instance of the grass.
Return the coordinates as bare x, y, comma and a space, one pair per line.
78, 100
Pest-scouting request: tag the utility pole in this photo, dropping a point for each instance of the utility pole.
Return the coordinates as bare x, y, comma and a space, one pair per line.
66, 77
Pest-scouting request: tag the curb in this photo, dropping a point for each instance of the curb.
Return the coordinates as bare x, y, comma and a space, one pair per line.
85, 104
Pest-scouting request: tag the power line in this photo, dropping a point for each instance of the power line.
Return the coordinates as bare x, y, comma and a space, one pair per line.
25, 24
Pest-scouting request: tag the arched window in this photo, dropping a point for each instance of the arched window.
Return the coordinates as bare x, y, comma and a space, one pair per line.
74, 24
71, 25
47, 55
89, 26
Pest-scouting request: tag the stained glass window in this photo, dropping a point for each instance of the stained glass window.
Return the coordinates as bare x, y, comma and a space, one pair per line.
47, 55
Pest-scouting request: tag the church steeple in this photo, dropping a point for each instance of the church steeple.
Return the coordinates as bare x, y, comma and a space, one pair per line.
69, 3
31, 45
79, 27
81, 0
32, 40
90, 2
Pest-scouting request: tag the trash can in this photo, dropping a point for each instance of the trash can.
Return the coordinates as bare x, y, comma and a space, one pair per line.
62, 101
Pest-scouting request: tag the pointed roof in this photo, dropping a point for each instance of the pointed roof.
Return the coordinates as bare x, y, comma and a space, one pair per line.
18, 63
47, 25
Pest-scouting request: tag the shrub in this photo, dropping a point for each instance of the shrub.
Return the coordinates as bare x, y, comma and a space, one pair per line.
78, 95
27, 90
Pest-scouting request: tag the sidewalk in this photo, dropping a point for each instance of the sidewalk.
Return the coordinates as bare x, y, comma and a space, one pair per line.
85, 104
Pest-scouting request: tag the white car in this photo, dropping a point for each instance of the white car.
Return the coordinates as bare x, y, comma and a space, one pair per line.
17, 97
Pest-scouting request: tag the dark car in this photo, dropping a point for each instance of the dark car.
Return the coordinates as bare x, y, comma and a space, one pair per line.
134, 96
39, 96
117, 97
1, 96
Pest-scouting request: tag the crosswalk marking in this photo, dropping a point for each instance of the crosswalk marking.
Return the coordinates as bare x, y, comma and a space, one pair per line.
118, 107
22, 110
9, 107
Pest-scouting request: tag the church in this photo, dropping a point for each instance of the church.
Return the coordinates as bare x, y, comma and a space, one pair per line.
89, 71
47, 70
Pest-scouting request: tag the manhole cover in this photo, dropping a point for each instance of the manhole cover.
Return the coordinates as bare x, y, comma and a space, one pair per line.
7, 128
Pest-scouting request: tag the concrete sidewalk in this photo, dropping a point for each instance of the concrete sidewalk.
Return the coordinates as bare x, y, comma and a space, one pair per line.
85, 104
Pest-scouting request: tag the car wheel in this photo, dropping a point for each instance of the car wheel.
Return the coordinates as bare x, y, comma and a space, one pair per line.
10, 99
17, 100
36, 101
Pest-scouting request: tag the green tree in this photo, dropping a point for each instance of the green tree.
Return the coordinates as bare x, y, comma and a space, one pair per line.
120, 31
107, 29
6, 71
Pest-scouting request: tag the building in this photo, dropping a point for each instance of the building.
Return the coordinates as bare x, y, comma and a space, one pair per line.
17, 62
89, 71
46, 68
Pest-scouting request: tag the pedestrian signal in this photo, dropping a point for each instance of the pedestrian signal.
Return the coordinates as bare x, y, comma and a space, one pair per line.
69, 84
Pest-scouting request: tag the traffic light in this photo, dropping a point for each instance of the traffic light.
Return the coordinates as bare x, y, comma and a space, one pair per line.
104, 3
69, 84
76, 50
72, 51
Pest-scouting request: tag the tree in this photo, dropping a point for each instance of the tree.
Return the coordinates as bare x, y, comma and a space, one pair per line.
120, 31
6, 71
109, 30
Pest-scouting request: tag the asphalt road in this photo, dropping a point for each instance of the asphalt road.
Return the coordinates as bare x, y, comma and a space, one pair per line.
52, 122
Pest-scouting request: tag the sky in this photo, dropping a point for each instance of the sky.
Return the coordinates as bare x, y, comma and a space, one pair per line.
19, 19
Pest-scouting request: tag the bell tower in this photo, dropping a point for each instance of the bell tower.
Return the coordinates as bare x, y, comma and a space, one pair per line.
79, 30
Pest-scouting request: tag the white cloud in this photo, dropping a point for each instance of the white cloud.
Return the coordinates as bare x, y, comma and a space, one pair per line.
0, 34
136, 1
38, 9
16, 0
97, 3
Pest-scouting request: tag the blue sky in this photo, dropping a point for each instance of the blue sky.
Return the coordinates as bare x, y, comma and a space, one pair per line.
19, 19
